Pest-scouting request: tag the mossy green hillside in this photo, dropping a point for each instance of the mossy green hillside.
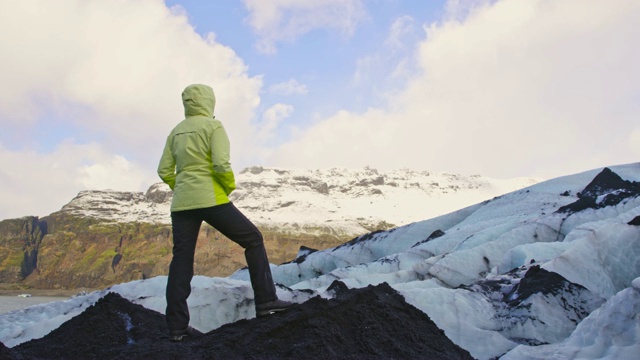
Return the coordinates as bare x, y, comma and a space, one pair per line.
19, 239
71, 252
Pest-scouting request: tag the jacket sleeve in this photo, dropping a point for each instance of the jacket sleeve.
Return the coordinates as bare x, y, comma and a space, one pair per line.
167, 166
220, 156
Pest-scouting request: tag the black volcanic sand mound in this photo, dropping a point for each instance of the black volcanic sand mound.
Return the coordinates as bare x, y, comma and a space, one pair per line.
6, 353
540, 281
607, 184
369, 323
104, 330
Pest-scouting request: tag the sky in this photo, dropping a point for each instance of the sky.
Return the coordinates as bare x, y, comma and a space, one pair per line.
507, 88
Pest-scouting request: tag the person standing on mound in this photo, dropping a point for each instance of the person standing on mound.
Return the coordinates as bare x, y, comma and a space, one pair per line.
195, 164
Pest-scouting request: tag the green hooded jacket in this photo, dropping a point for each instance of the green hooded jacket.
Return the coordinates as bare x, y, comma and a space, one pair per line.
195, 161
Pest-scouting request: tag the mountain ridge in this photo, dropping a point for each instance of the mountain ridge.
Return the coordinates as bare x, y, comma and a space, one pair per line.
103, 237
353, 200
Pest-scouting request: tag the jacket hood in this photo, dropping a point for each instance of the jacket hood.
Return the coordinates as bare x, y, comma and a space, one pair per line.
198, 99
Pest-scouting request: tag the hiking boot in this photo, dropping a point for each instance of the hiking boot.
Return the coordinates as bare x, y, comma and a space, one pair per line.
179, 335
272, 307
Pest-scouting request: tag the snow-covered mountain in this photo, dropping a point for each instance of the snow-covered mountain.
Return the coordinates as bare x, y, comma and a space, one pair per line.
551, 271
101, 238
346, 202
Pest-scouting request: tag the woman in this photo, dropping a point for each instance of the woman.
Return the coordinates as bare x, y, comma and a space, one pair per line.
195, 165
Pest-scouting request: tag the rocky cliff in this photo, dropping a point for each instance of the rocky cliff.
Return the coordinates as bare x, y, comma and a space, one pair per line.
63, 251
19, 243
105, 237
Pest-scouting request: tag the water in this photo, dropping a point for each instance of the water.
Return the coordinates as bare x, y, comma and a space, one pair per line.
13, 302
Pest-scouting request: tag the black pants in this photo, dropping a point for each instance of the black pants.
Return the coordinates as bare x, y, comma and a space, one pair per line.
229, 221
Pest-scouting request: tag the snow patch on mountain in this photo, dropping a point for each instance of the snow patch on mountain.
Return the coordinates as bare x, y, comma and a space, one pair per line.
122, 206
338, 200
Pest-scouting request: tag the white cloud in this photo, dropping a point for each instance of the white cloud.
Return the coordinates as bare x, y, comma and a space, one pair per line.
286, 20
634, 142
346, 139
393, 63
40, 183
113, 172
399, 30
458, 10
125, 63
290, 87
114, 71
273, 116
516, 88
